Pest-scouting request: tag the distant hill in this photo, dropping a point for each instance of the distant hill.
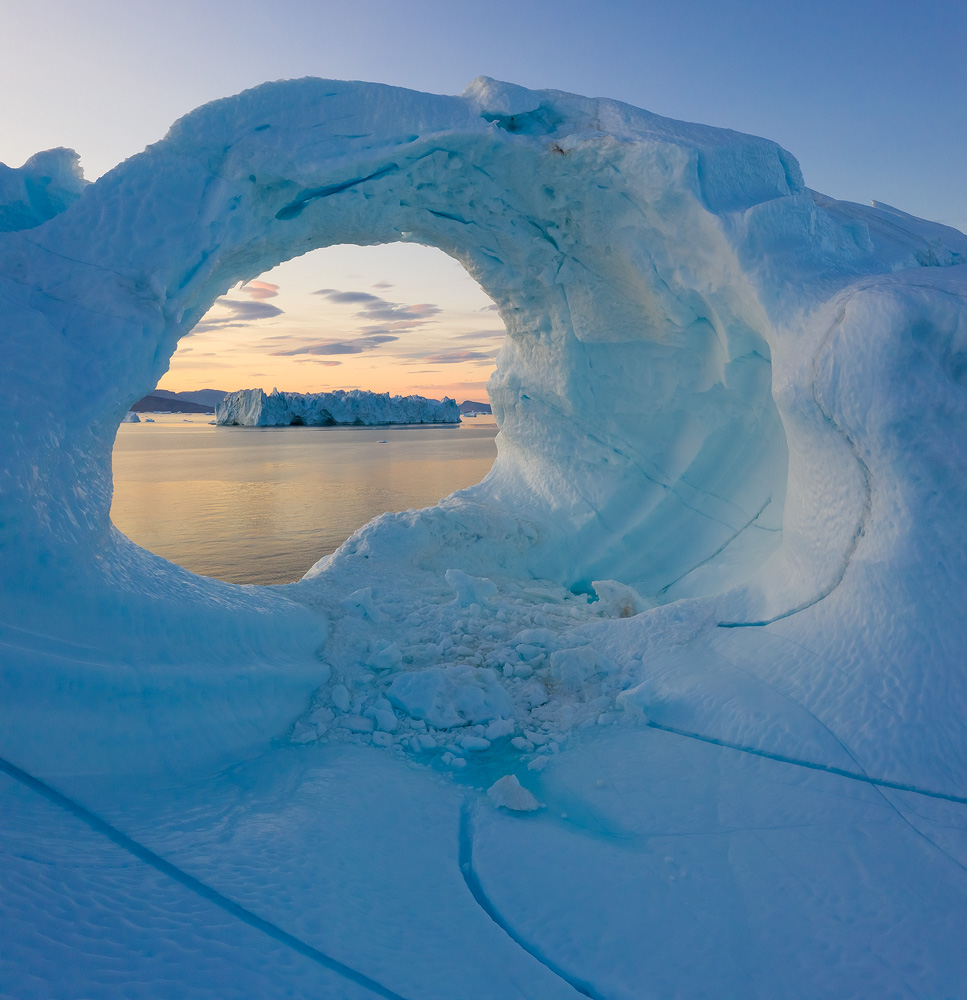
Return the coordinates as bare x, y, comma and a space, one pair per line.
469, 406
209, 397
156, 404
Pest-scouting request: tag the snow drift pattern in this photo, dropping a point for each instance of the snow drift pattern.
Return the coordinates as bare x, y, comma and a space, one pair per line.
731, 409
252, 408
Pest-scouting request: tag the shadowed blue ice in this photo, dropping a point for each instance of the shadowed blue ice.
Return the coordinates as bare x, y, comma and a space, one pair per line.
706, 609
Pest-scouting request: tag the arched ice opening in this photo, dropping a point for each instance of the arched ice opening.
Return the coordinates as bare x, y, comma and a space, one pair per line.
669, 292
639, 437
263, 505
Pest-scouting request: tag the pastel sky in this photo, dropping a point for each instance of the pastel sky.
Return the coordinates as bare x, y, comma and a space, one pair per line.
397, 318
870, 95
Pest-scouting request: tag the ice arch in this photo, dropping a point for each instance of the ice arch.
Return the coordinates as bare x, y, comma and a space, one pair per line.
691, 333
639, 436
701, 350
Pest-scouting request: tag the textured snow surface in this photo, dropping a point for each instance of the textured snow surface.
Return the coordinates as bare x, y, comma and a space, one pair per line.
706, 611
252, 408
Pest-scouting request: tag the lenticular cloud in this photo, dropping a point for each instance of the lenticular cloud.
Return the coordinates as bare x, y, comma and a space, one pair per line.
705, 614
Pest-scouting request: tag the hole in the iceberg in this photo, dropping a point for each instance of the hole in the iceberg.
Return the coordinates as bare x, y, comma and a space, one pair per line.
262, 504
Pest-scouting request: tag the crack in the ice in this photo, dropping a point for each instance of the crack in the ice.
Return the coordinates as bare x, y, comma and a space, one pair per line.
920, 832
472, 882
862, 775
452, 217
636, 463
295, 208
76, 260
794, 701
720, 549
194, 885
811, 765
864, 516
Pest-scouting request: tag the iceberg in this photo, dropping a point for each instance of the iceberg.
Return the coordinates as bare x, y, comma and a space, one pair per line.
706, 609
253, 408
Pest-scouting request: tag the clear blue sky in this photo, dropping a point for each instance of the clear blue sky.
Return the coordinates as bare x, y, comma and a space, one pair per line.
870, 95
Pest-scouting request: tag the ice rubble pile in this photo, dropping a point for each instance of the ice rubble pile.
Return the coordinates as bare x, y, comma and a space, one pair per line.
739, 397
434, 673
253, 408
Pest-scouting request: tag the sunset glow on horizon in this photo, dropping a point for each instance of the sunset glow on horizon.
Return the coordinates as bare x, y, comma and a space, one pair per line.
398, 318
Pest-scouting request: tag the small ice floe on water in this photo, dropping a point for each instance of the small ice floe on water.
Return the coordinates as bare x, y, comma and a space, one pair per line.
381, 441
510, 794
130, 418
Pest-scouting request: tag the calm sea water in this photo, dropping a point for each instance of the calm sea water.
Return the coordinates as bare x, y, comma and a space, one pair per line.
261, 505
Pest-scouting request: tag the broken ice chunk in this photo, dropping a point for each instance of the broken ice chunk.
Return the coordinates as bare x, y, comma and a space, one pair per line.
357, 724
303, 733
532, 694
498, 728
360, 602
573, 668
510, 794
474, 743
637, 700
470, 589
451, 696
385, 656
340, 697
537, 637
383, 715
619, 600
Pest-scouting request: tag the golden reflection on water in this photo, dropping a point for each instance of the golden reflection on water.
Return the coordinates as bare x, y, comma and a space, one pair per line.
261, 505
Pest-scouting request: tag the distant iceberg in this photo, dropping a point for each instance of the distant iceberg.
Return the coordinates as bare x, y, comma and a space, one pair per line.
253, 408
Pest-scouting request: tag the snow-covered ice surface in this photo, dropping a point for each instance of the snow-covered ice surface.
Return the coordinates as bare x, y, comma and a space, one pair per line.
671, 704
253, 408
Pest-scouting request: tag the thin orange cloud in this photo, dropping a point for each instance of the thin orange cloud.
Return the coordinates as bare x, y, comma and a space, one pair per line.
260, 289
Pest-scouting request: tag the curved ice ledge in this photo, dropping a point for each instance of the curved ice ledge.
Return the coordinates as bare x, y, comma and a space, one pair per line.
741, 398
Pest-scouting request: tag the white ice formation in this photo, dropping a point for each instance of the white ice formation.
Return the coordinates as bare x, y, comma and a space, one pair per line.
510, 794
44, 186
731, 409
253, 408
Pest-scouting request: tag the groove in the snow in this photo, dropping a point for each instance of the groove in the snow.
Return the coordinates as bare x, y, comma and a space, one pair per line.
193, 884
812, 765
483, 901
